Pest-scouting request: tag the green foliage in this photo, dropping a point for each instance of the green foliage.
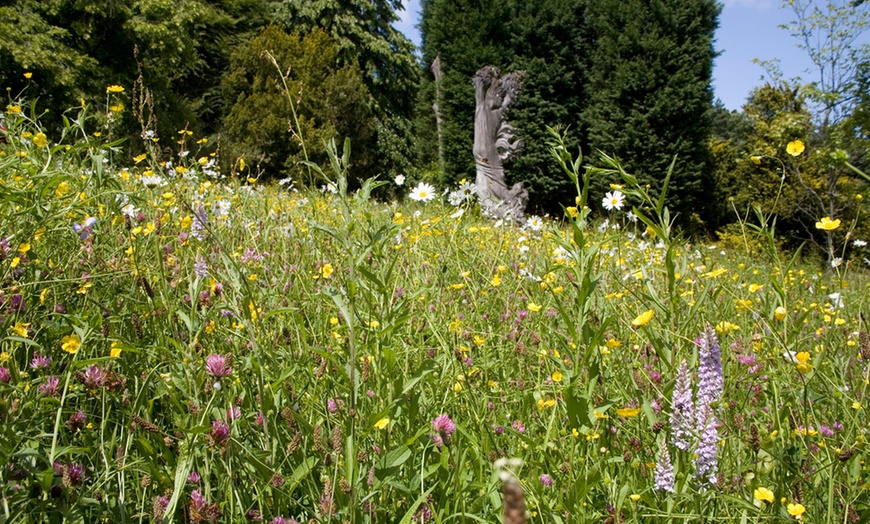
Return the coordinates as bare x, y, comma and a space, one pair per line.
74, 49
651, 92
366, 39
328, 101
778, 115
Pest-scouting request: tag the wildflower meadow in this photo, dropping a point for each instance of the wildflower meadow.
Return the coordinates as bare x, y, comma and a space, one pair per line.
180, 343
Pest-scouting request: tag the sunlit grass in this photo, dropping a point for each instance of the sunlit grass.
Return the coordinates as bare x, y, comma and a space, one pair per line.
182, 346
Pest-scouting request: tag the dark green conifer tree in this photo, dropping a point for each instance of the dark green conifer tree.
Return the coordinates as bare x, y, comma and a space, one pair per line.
650, 93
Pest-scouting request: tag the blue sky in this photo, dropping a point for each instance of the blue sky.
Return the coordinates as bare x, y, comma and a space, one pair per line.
748, 29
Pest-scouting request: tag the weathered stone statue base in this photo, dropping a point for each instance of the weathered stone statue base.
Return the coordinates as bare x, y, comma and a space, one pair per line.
494, 142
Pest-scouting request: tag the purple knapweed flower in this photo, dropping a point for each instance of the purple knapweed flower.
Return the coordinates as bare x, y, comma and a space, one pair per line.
220, 433
710, 380
40, 361
5, 375
76, 421
217, 366
282, 520
443, 425
423, 515
546, 480
682, 408
50, 387
193, 477
74, 475
196, 499
664, 472
517, 425
94, 377
16, 304
158, 507
706, 462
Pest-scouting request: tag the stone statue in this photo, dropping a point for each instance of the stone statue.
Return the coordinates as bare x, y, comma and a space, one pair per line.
494, 142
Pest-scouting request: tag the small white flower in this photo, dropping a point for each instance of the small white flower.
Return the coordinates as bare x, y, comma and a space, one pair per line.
468, 189
631, 217
613, 200
153, 181
837, 262
222, 208
859, 243
836, 300
423, 192
534, 223
399, 180
129, 210
459, 212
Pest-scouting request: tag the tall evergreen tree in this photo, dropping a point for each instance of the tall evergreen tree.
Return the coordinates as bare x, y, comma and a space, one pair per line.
364, 33
651, 93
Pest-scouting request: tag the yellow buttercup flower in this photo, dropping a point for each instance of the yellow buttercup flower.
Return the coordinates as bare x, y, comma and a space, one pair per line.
762, 493
628, 412
71, 343
383, 423
20, 329
827, 224
40, 140
780, 313
556, 376
326, 270
803, 365
643, 318
796, 510
114, 89
533, 307
795, 148
115, 350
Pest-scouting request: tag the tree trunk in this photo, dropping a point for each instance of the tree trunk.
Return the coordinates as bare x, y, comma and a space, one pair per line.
494, 142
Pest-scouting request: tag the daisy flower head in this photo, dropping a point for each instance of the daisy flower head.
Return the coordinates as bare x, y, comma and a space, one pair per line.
399, 180
613, 200
423, 192
534, 223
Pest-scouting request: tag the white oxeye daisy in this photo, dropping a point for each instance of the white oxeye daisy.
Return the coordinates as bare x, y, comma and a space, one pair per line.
399, 180
613, 200
534, 223
423, 192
